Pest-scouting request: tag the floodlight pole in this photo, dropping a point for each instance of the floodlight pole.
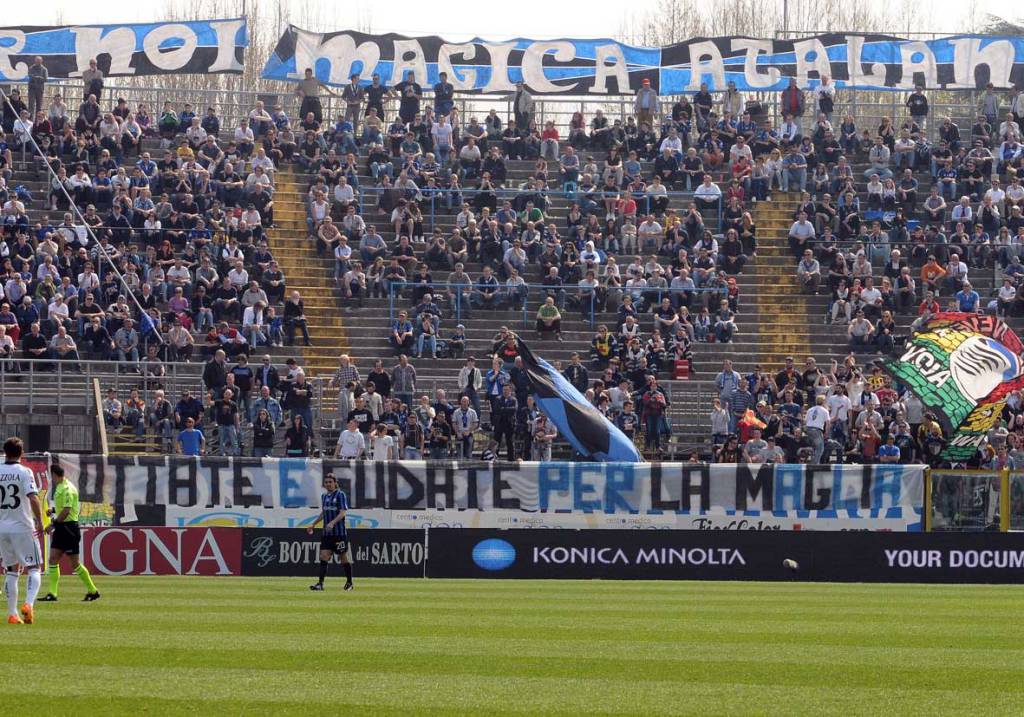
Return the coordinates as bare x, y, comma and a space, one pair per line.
785, 19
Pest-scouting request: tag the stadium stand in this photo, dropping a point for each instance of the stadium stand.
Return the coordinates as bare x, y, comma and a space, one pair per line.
718, 252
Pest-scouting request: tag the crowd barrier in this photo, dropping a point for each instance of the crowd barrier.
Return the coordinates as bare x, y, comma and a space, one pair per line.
848, 556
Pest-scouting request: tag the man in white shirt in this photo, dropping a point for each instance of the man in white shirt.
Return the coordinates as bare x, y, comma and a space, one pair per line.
258, 180
442, 133
839, 412
740, 149
903, 151
956, 274
88, 280
707, 194
343, 192
996, 194
179, 275
872, 298
244, 138
962, 212
1006, 297
351, 443
800, 233
815, 423
382, 444
251, 218
262, 160
649, 233
259, 119
238, 276
825, 93
21, 518
1009, 128
809, 271
789, 130
1015, 191
57, 312
23, 131
353, 226
195, 134
673, 143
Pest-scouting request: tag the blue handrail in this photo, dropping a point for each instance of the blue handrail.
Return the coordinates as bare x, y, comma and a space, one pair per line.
643, 199
463, 306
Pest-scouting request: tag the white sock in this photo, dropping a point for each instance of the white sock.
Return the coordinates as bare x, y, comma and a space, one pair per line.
11, 589
35, 580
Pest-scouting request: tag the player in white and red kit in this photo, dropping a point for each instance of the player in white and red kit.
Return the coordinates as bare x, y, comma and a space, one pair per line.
21, 521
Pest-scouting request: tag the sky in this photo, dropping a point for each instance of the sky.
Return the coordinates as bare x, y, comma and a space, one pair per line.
458, 20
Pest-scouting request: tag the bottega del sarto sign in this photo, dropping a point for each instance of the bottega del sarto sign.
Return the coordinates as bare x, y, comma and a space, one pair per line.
292, 551
559, 555
307, 552
162, 551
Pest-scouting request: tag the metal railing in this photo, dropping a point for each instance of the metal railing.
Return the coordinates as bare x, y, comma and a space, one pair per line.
66, 384
527, 298
233, 106
81, 386
974, 500
443, 201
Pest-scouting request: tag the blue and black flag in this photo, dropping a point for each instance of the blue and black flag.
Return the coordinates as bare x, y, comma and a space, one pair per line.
589, 432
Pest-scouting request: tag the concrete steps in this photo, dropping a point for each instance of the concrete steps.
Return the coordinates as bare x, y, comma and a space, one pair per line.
308, 274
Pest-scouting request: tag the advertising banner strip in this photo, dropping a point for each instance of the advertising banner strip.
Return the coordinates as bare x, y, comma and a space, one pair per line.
627, 489
727, 555
130, 50
162, 551
608, 67
293, 552
360, 520
567, 554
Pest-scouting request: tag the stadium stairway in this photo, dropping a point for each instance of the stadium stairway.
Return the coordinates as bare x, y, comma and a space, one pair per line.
308, 274
124, 442
779, 302
365, 325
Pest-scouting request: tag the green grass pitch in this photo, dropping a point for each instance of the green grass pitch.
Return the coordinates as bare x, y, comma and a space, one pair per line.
219, 646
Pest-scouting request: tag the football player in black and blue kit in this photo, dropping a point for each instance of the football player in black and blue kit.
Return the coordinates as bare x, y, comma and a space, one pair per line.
334, 536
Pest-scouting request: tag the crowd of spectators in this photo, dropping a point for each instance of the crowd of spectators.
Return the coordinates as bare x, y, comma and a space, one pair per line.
170, 256
904, 235
492, 414
188, 231
253, 409
843, 413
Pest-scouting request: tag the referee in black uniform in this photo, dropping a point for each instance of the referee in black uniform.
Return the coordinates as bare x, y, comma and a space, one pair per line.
334, 536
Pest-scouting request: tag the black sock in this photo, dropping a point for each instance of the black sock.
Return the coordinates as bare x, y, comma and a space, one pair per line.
347, 567
323, 571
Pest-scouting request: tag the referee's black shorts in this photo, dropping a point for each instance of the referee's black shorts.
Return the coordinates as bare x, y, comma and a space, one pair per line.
66, 538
